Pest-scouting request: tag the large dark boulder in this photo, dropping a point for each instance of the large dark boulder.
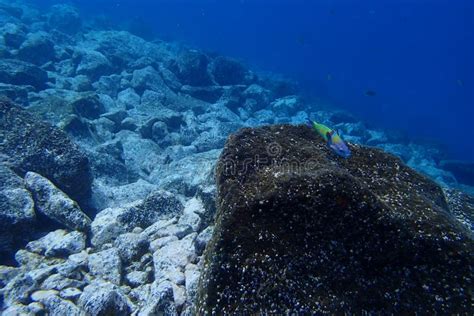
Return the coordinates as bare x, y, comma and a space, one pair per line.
228, 71
17, 72
191, 68
65, 18
301, 230
38, 48
32, 145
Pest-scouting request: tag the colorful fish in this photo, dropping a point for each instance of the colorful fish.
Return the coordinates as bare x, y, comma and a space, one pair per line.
333, 139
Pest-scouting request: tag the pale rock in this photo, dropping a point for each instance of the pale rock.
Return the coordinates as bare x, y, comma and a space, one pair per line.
104, 298
107, 265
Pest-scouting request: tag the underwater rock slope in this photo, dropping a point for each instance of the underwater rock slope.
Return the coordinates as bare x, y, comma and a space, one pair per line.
32, 145
299, 229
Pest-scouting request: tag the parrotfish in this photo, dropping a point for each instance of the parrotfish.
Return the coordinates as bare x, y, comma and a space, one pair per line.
333, 139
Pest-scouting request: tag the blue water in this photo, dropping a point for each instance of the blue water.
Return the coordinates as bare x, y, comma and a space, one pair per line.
415, 55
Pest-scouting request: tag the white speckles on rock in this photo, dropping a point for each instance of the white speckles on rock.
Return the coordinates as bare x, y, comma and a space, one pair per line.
161, 242
131, 246
44, 243
19, 289
202, 239
106, 227
59, 282
137, 278
80, 259
173, 256
106, 264
59, 307
192, 275
191, 212
71, 243
104, 298
55, 204
179, 296
160, 300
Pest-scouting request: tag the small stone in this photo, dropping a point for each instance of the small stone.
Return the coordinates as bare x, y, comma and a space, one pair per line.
72, 243
160, 300
58, 307
104, 298
106, 264
191, 212
137, 230
81, 258
161, 242
202, 239
131, 246
70, 293
137, 278
18, 290
179, 296
170, 260
36, 308
192, 275
6, 274
59, 282
40, 296
44, 243
39, 275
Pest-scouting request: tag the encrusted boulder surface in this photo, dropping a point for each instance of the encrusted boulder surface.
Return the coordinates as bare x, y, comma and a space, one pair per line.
32, 145
301, 230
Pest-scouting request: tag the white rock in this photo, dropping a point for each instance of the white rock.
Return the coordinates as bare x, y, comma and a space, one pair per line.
191, 212
18, 290
71, 243
107, 265
170, 260
202, 239
44, 243
106, 226
161, 242
42, 295
59, 307
131, 247
36, 308
104, 298
192, 275
160, 300
55, 204
59, 282
70, 293
81, 258
137, 278
179, 295
159, 225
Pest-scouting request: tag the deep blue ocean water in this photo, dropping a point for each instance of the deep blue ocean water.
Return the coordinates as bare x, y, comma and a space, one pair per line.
414, 55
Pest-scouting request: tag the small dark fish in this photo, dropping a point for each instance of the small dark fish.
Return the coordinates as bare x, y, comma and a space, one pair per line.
370, 93
301, 40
